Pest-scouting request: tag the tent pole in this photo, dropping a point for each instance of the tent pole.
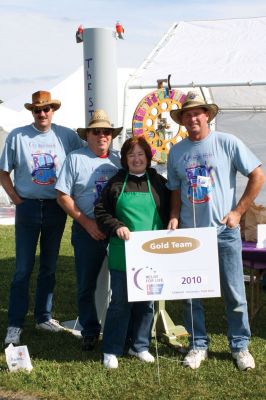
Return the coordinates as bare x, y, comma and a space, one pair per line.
200, 84
125, 111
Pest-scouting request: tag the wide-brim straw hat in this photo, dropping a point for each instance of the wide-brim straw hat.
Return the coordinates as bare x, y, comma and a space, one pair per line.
42, 99
98, 120
194, 100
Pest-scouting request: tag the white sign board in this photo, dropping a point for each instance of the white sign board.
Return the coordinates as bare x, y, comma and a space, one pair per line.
261, 236
168, 265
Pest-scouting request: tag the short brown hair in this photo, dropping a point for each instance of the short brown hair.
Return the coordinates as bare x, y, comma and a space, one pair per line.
129, 144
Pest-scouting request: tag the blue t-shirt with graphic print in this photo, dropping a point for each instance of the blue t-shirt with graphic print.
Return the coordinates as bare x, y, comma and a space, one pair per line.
37, 157
84, 175
205, 173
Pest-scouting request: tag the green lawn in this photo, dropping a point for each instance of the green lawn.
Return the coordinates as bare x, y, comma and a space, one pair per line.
62, 371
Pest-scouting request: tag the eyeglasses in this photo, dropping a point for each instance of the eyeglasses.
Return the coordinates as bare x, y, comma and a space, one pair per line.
39, 110
104, 131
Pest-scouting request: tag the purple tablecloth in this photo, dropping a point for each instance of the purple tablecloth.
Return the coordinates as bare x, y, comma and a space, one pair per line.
251, 253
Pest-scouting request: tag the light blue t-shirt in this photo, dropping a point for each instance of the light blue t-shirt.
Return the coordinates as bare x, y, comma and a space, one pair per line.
205, 173
84, 175
37, 157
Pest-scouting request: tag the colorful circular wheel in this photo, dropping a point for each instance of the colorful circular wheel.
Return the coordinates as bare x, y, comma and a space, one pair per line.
152, 120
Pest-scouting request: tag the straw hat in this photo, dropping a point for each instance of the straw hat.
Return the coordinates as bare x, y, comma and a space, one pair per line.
42, 99
194, 100
98, 120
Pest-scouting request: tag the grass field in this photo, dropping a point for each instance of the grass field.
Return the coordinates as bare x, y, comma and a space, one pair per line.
62, 371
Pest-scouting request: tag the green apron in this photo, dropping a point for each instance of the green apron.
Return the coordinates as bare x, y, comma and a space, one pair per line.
138, 212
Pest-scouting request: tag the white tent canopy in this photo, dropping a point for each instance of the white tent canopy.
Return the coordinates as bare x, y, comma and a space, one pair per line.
224, 58
208, 53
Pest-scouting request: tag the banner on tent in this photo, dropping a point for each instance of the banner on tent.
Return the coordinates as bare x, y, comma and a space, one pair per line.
168, 265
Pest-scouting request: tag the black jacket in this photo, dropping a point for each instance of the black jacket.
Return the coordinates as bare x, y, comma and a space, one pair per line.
105, 208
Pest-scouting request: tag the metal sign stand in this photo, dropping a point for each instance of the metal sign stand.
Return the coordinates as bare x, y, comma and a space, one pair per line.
165, 329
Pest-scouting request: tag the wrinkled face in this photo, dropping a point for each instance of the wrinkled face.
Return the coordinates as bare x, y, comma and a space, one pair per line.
195, 121
99, 140
136, 160
43, 117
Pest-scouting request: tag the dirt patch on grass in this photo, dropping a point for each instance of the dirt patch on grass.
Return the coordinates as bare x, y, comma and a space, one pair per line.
4, 395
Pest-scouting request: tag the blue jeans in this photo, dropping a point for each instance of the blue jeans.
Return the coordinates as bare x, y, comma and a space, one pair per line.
89, 256
233, 291
34, 219
120, 313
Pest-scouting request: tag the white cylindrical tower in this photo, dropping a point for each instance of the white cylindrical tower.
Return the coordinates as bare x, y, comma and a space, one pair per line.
100, 72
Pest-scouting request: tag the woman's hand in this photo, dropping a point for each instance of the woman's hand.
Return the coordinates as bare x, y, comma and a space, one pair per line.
173, 224
123, 233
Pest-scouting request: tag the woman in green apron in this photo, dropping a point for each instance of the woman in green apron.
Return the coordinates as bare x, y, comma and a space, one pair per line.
135, 199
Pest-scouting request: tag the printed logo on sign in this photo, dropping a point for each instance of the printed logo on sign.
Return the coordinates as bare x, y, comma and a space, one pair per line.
171, 245
155, 288
147, 279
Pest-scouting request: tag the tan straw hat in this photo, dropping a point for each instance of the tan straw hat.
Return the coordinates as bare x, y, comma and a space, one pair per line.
194, 100
98, 120
42, 99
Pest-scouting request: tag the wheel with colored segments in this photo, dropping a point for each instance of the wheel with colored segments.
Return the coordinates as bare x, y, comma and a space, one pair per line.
152, 120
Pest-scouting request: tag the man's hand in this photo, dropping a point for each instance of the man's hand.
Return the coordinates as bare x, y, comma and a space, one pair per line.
232, 219
123, 233
8, 186
18, 201
70, 207
92, 228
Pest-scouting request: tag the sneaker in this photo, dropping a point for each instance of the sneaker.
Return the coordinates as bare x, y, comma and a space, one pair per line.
89, 342
110, 361
51, 325
244, 360
142, 355
13, 335
194, 357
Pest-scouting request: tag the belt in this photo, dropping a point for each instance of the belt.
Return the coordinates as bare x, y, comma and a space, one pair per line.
26, 198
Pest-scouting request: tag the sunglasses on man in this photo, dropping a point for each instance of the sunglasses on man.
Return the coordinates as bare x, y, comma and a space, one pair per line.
44, 109
100, 131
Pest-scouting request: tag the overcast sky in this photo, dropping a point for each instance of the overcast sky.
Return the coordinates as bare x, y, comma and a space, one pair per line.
37, 37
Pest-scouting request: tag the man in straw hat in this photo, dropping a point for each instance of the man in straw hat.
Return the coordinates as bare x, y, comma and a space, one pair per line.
202, 177
36, 153
83, 176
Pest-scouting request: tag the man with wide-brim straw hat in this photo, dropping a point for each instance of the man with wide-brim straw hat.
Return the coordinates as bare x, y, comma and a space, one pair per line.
42, 99
36, 153
194, 100
82, 178
201, 173
98, 121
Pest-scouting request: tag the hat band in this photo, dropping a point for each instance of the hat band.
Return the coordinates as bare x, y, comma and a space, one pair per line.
195, 104
99, 120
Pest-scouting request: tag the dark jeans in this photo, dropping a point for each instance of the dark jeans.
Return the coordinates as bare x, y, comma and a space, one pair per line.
89, 256
34, 219
120, 313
